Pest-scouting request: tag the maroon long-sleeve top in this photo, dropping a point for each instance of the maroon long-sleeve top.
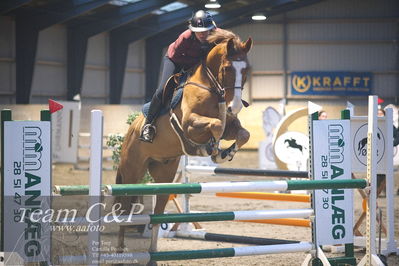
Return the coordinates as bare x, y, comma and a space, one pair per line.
186, 50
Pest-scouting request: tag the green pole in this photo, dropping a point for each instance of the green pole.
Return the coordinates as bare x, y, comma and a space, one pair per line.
325, 184
45, 115
192, 254
191, 217
149, 189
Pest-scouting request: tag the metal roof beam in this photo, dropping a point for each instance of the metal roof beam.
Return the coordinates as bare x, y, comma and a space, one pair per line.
151, 26
118, 52
9, 5
76, 55
25, 46
120, 39
233, 15
28, 24
45, 16
78, 38
275, 10
123, 15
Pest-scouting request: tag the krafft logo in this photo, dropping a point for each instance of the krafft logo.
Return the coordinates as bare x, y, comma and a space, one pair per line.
331, 83
360, 145
301, 84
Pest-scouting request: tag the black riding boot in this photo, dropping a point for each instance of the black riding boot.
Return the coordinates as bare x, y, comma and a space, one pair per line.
148, 131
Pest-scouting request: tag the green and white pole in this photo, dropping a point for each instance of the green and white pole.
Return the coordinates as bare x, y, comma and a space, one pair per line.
197, 188
214, 187
146, 257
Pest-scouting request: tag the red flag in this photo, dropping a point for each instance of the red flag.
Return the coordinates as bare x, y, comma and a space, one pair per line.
380, 101
54, 106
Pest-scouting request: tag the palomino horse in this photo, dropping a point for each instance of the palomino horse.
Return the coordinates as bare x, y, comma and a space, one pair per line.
207, 113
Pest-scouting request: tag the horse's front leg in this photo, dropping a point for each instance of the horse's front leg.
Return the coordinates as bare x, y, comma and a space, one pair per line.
201, 129
233, 131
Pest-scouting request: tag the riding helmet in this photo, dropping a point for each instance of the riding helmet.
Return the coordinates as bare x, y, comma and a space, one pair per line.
201, 21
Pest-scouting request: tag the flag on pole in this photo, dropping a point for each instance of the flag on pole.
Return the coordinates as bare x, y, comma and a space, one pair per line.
54, 106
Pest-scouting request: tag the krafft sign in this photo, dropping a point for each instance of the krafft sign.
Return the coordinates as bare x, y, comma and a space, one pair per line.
332, 161
27, 187
331, 83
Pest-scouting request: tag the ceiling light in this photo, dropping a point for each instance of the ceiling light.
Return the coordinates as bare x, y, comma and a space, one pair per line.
212, 4
258, 16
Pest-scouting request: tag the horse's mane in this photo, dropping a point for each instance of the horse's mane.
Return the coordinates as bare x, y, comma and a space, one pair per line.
220, 36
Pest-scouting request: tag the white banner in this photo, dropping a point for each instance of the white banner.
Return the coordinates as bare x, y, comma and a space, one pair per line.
332, 161
27, 187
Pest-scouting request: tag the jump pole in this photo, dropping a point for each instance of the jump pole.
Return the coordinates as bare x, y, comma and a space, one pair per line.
371, 258
232, 238
274, 197
198, 188
266, 196
146, 257
207, 170
96, 154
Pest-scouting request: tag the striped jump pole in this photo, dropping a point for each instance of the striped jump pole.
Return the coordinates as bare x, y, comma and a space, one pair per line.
282, 221
275, 197
201, 235
207, 170
74, 190
146, 257
256, 186
199, 217
266, 196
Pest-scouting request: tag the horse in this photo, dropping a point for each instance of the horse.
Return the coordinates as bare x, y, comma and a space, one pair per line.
292, 143
206, 114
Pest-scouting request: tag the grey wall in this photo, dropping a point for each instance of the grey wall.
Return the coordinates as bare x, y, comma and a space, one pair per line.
334, 35
49, 79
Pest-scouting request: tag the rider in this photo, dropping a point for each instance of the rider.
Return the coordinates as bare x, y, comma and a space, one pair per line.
188, 50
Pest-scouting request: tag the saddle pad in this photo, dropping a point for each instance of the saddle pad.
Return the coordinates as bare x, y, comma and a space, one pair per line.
175, 101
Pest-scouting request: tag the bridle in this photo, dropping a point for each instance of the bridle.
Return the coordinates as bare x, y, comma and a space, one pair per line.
216, 87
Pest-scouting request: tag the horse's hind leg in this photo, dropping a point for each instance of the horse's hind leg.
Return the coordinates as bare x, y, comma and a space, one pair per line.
162, 172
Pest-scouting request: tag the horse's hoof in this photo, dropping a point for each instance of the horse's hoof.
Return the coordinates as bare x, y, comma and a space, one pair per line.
148, 133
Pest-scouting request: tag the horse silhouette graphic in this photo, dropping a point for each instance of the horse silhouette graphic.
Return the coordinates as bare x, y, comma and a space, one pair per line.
362, 144
292, 144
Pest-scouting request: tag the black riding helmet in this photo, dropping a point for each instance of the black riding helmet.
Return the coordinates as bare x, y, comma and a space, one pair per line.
201, 21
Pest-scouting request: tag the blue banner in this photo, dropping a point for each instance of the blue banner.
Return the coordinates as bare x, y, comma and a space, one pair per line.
331, 83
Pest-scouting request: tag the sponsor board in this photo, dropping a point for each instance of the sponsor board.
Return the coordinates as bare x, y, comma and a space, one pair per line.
333, 207
27, 187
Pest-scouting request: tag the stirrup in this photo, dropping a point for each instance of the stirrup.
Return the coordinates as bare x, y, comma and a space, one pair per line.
148, 133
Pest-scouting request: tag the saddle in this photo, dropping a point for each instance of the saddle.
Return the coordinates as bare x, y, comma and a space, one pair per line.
172, 93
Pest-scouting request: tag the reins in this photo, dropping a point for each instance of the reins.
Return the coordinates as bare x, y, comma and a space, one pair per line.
216, 86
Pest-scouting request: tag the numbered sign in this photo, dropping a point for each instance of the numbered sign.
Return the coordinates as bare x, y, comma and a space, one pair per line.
332, 161
27, 187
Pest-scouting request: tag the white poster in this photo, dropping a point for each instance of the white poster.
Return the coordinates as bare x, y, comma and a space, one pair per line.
359, 146
332, 161
27, 187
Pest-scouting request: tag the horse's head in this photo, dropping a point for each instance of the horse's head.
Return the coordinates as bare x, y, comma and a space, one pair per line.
230, 66
233, 73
